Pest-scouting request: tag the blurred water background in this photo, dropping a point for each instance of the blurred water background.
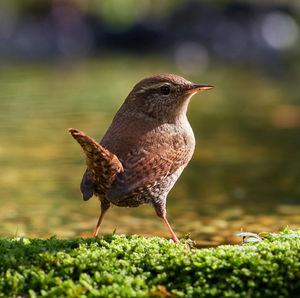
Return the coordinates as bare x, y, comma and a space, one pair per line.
67, 63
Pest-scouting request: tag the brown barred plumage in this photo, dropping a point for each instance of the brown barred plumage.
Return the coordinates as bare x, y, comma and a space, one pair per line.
144, 150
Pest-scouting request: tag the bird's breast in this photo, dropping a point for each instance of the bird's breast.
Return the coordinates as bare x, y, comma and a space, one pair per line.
162, 139
152, 160
178, 138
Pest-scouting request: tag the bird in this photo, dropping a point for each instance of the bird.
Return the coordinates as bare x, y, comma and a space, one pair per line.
145, 149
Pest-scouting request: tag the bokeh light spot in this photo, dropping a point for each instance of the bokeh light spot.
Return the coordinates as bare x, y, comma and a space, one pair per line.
279, 30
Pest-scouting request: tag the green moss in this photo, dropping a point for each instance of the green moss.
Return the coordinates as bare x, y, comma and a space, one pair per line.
135, 266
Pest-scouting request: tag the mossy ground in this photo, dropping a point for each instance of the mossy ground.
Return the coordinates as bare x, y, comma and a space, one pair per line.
120, 266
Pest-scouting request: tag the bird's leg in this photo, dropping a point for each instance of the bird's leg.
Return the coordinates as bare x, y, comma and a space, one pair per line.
174, 237
104, 207
161, 212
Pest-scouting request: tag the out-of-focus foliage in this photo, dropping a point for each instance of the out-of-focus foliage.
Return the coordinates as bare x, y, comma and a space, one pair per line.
191, 31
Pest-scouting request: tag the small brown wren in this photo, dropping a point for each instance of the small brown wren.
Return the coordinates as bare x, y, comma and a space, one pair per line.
145, 149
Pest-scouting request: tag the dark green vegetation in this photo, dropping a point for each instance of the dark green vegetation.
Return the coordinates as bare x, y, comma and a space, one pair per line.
136, 266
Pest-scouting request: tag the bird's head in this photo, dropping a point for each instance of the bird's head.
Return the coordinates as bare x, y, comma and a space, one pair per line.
163, 96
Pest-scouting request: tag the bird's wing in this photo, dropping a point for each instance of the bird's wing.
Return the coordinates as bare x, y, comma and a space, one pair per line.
143, 169
87, 185
102, 165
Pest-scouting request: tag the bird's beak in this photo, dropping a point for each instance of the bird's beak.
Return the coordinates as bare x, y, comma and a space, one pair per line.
198, 88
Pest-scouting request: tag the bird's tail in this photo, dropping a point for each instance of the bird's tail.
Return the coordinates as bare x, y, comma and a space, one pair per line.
102, 164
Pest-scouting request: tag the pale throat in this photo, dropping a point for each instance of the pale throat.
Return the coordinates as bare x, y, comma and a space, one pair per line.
181, 116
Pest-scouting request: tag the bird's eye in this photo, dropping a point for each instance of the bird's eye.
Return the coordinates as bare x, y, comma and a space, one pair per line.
165, 90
